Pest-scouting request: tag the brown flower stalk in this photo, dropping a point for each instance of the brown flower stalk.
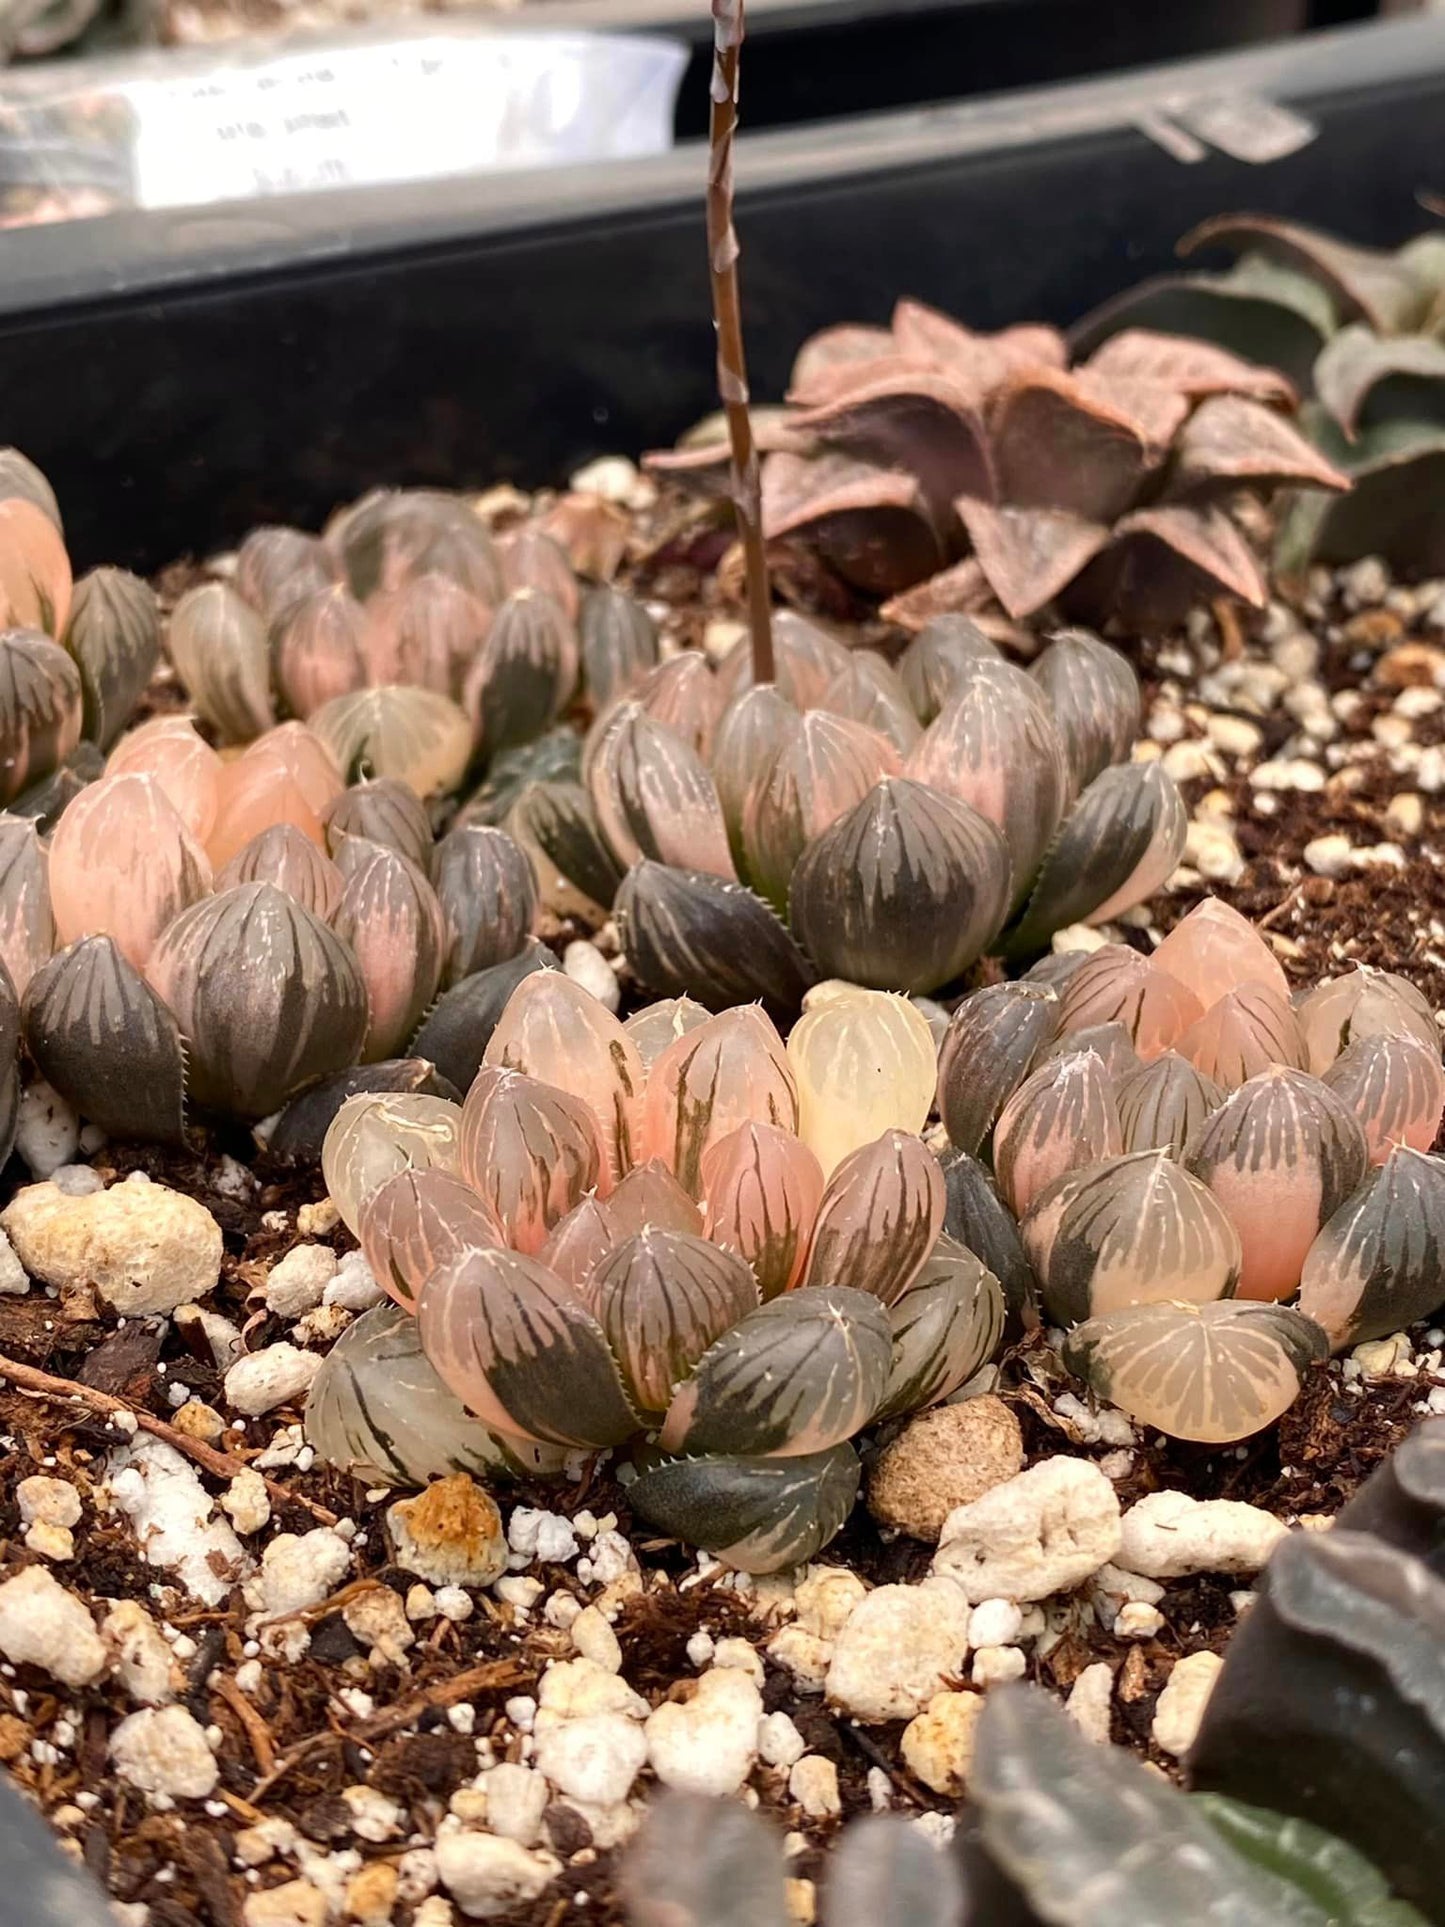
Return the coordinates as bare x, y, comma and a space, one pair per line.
732, 372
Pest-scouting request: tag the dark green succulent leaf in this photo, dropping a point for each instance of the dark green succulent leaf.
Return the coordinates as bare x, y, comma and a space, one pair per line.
300, 1131
45, 802
619, 643
1091, 1836
992, 1041
1396, 507
946, 1325
488, 895
1331, 1704
977, 1218
114, 634
378, 1411
799, 1375
562, 820
662, 1298
1364, 283
267, 996
9, 1017
1093, 693
1327, 1869
103, 1038
760, 1515
1120, 842
688, 934
40, 710
553, 758
9, 1109
1265, 313
457, 1029
525, 671
1378, 1265
382, 811
902, 892
1363, 378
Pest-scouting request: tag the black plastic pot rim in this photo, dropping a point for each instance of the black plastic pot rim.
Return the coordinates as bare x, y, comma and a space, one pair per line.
139, 252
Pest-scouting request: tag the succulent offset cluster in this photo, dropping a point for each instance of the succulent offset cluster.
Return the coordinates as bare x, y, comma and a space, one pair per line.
74, 656
903, 822
228, 932
674, 1234
959, 467
410, 639
1184, 1148
1316, 1776
1359, 330
74, 659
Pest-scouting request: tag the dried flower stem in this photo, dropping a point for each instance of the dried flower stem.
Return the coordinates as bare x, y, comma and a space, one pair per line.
732, 369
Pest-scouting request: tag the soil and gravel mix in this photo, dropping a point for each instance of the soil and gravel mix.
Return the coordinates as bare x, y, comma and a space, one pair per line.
304, 1730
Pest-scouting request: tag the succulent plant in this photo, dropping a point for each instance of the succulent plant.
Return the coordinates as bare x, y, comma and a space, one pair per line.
1315, 1779
409, 638
1185, 1147
1361, 332
1010, 812
603, 1249
230, 933
74, 657
946, 469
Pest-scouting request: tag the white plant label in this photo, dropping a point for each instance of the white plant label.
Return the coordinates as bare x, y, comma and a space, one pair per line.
405, 110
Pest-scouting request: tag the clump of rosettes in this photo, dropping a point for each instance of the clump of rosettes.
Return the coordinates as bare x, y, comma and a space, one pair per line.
408, 637
227, 932
74, 656
1186, 1148
651, 1235
948, 469
883, 826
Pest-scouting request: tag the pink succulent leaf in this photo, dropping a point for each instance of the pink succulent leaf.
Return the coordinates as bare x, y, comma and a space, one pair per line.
825, 359
921, 423
1162, 560
1281, 1154
520, 1349
1231, 442
800, 1374
1028, 555
1191, 368
959, 589
872, 525
1155, 409
103, 1038
1056, 446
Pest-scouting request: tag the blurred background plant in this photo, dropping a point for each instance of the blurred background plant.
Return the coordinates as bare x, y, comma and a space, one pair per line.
947, 470
1361, 332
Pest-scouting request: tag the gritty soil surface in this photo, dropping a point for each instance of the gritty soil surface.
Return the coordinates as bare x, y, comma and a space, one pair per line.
338, 1718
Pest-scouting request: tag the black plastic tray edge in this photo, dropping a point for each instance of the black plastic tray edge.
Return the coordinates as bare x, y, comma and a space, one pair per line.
140, 252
